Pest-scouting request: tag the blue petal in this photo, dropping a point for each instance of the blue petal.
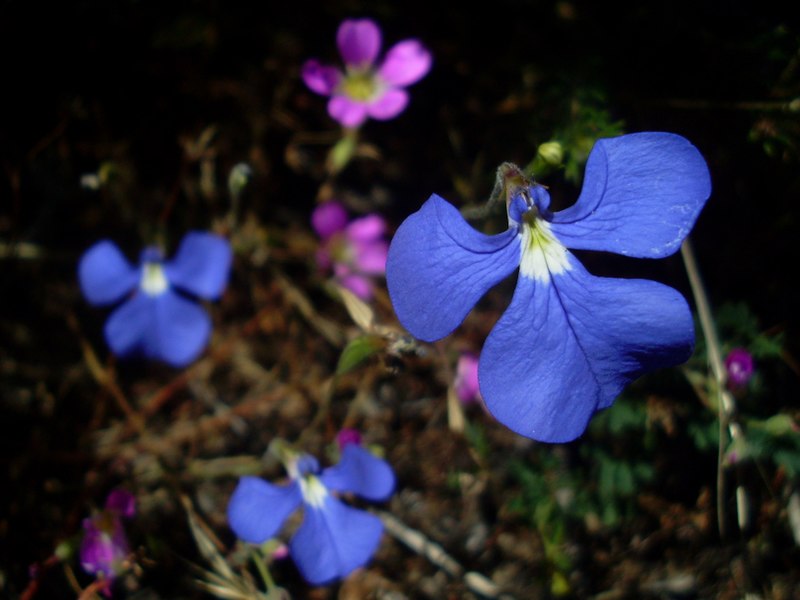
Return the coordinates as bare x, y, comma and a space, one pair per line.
439, 267
567, 348
333, 540
257, 509
105, 275
201, 265
362, 473
641, 196
166, 327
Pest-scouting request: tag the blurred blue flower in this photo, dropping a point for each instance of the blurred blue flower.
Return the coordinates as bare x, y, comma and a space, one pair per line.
157, 319
569, 342
333, 539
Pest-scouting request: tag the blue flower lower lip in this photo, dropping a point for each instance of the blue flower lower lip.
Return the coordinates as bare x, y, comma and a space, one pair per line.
569, 342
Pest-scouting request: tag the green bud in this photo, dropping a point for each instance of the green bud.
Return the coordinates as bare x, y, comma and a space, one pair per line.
551, 153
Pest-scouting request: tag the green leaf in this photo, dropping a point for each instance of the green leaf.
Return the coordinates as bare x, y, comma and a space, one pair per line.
359, 350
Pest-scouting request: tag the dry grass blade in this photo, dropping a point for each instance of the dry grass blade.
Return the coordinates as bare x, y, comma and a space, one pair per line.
222, 581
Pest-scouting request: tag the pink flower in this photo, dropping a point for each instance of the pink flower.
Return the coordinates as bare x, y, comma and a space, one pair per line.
353, 250
739, 364
466, 383
365, 89
105, 548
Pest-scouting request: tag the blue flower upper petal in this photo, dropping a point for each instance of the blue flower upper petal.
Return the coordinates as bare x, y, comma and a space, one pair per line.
258, 509
167, 327
105, 275
566, 347
333, 540
201, 265
439, 266
360, 472
641, 196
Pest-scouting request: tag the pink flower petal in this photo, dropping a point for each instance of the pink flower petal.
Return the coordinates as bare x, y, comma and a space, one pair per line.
320, 79
360, 286
328, 218
121, 502
370, 258
466, 383
389, 105
406, 62
359, 42
347, 112
366, 228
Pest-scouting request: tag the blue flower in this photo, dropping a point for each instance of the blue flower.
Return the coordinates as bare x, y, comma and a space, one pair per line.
157, 319
569, 342
333, 539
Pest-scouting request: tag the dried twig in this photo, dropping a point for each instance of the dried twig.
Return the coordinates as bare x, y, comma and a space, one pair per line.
416, 541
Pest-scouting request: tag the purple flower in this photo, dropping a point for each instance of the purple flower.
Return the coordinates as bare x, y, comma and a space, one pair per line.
466, 382
739, 364
569, 342
105, 548
157, 319
366, 89
333, 539
354, 250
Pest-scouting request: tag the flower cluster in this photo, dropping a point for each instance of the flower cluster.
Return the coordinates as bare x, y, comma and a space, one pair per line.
157, 320
333, 539
354, 250
105, 546
366, 90
569, 342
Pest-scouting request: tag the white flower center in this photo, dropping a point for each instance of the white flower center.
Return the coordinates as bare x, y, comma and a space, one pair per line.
154, 281
541, 254
313, 490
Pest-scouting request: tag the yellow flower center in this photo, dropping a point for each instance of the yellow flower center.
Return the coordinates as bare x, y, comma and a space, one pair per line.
360, 85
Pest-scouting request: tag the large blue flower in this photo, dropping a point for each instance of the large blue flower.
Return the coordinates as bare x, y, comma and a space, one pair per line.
157, 320
333, 539
569, 342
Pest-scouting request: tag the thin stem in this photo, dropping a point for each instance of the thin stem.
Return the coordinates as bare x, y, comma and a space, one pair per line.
725, 401
261, 565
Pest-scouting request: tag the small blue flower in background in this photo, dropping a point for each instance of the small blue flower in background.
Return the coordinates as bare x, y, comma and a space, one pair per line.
333, 539
569, 342
157, 319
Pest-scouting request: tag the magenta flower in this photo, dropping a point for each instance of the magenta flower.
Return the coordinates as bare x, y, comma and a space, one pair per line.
105, 548
739, 364
365, 89
466, 383
354, 250
348, 436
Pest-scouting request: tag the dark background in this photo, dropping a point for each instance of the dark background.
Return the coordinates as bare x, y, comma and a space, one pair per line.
87, 82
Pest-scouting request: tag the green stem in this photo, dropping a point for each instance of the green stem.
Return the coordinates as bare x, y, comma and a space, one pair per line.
261, 565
